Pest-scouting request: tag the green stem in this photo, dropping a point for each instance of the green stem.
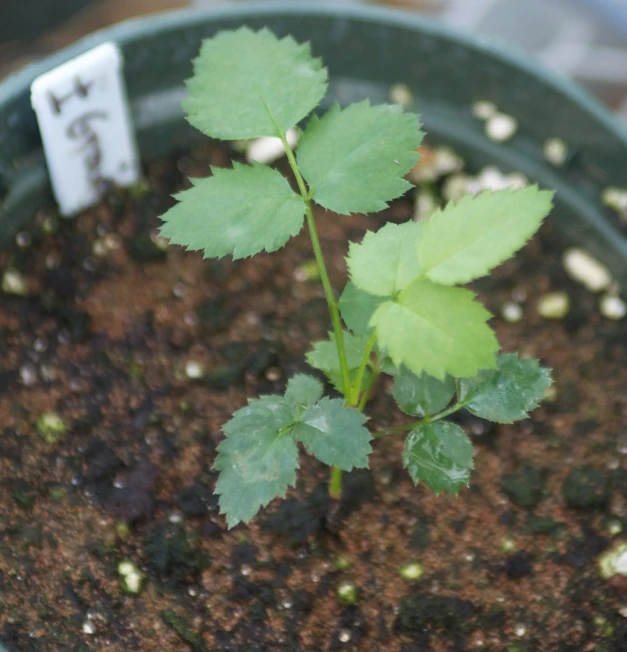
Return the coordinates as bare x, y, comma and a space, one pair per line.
366, 395
414, 424
322, 268
335, 483
365, 359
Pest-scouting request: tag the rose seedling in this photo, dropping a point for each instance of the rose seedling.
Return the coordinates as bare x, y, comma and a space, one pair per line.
403, 313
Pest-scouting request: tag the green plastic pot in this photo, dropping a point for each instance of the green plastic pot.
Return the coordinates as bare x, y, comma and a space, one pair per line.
367, 50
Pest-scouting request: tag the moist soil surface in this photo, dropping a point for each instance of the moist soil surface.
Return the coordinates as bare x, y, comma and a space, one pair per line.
143, 354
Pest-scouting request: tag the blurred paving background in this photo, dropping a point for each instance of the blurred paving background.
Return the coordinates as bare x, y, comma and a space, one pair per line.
584, 39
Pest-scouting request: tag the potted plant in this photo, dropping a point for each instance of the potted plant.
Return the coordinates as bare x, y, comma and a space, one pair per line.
123, 362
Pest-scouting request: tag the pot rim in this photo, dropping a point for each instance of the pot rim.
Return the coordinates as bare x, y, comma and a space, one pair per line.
127, 30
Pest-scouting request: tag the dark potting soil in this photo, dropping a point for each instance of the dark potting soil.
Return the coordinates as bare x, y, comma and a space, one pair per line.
143, 354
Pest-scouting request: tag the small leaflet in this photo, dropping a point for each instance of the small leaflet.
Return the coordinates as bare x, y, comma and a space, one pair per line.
85, 125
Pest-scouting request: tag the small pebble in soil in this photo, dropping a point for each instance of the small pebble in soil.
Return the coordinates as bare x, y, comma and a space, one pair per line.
272, 374
501, 127
344, 636
346, 593
612, 307
307, 272
269, 149
613, 562
99, 248
491, 178
14, 283
511, 312
484, 109
130, 576
342, 563
401, 94
24, 239
455, 187
447, 161
28, 374
615, 198
507, 544
179, 290
555, 151
614, 527
584, 268
519, 295
50, 427
425, 205
194, 370
411, 571
435, 164
88, 627
386, 475
89, 264
553, 305
53, 260
551, 394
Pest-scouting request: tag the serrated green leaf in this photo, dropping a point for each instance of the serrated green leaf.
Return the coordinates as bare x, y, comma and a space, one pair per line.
440, 455
354, 159
303, 390
335, 434
238, 211
255, 461
357, 308
247, 83
466, 240
437, 330
385, 262
507, 393
422, 395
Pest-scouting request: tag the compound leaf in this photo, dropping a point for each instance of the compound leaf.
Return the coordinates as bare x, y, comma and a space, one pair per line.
421, 395
238, 211
257, 460
385, 262
436, 329
354, 159
507, 393
357, 308
466, 240
247, 83
303, 390
335, 434
440, 455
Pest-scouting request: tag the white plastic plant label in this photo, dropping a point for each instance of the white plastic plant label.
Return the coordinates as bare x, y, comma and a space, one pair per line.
86, 129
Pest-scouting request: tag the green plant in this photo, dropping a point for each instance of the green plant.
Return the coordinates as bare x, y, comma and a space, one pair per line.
402, 313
